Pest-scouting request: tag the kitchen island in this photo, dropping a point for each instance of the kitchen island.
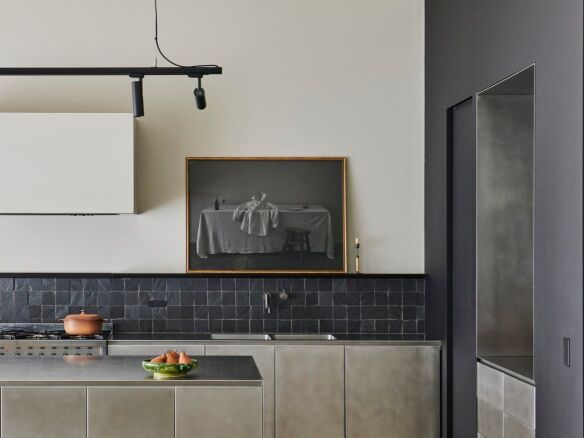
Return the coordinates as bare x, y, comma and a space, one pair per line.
99, 396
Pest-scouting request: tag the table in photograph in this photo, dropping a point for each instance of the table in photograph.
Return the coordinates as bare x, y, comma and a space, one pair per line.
218, 233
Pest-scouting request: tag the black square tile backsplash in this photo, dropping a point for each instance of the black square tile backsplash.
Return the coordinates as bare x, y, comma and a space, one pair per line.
364, 305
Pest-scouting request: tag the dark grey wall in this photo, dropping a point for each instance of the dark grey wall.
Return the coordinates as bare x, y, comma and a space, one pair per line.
470, 45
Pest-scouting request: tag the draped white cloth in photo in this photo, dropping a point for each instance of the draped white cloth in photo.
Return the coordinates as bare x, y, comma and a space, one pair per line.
257, 216
219, 234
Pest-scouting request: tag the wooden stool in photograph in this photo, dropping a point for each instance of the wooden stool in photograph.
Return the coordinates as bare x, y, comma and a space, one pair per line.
297, 237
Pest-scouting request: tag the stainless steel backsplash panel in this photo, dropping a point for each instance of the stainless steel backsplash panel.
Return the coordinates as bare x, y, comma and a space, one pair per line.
505, 163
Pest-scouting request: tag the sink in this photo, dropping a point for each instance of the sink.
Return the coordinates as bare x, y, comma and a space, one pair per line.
240, 337
305, 337
266, 337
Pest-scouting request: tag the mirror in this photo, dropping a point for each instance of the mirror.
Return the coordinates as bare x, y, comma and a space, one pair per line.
505, 175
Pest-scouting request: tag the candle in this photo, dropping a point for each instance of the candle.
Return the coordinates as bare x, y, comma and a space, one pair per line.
356, 241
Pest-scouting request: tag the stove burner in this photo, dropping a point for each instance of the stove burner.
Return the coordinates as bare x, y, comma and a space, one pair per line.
15, 334
47, 334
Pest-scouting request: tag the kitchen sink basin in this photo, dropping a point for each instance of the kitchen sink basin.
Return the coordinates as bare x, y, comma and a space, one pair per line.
304, 337
240, 337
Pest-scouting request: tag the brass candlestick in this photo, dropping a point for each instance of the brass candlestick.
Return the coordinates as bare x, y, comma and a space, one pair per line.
357, 255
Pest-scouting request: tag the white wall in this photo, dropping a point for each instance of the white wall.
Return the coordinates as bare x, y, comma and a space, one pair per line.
301, 77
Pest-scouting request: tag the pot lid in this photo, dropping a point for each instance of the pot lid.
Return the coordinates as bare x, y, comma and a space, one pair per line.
84, 317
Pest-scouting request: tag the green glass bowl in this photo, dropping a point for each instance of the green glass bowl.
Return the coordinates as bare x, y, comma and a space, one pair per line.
168, 370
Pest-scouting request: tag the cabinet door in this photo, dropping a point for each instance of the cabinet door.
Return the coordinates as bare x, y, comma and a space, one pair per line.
152, 350
218, 412
393, 391
310, 391
263, 356
122, 412
48, 412
59, 143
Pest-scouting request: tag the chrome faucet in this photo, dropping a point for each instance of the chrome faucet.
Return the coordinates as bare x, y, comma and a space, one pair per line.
266, 298
283, 295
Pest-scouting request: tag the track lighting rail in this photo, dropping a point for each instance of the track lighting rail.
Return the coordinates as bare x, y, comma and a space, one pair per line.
133, 72
193, 72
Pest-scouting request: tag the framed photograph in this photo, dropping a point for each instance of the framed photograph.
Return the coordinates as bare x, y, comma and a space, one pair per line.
266, 215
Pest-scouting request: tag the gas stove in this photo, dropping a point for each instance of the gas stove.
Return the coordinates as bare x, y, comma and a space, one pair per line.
38, 339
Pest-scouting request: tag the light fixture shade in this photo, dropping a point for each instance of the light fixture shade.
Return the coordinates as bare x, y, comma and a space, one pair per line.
200, 98
137, 98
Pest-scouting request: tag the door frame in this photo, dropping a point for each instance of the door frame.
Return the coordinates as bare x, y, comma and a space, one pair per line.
448, 358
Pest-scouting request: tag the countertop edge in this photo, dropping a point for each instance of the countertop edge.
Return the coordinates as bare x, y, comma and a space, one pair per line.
403, 343
176, 383
130, 338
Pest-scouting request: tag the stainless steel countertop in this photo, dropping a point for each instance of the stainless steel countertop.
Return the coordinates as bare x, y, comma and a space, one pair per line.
343, 339
520, 367
122, 371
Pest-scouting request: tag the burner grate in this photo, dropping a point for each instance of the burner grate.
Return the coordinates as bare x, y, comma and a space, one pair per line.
48, 335
50, 339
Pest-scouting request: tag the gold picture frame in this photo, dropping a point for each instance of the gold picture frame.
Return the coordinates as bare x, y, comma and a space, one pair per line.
308, 262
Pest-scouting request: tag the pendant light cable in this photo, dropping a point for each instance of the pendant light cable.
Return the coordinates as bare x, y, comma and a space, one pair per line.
158, 45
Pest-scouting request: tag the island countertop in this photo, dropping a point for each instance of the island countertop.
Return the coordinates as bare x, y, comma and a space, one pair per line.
122, 371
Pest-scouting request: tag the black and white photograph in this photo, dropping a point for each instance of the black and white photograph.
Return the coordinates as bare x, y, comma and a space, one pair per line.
266, 214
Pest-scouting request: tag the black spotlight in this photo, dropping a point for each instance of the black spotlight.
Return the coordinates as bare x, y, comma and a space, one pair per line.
137, 98
200, 96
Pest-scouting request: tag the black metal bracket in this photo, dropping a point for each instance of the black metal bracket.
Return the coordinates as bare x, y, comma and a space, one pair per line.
136, 72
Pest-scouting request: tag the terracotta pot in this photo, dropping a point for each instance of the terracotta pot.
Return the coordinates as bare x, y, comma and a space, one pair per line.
83, 324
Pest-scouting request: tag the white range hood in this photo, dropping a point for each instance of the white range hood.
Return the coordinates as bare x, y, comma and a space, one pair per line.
56, 163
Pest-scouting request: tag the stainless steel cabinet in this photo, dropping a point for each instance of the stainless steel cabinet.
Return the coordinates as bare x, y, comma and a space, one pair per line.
122, 412
48, 412
128, 411
324, 390
218, 412
519, 400
263, 356
310, 391
490, 420
151, 350
506, 405
393, 391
